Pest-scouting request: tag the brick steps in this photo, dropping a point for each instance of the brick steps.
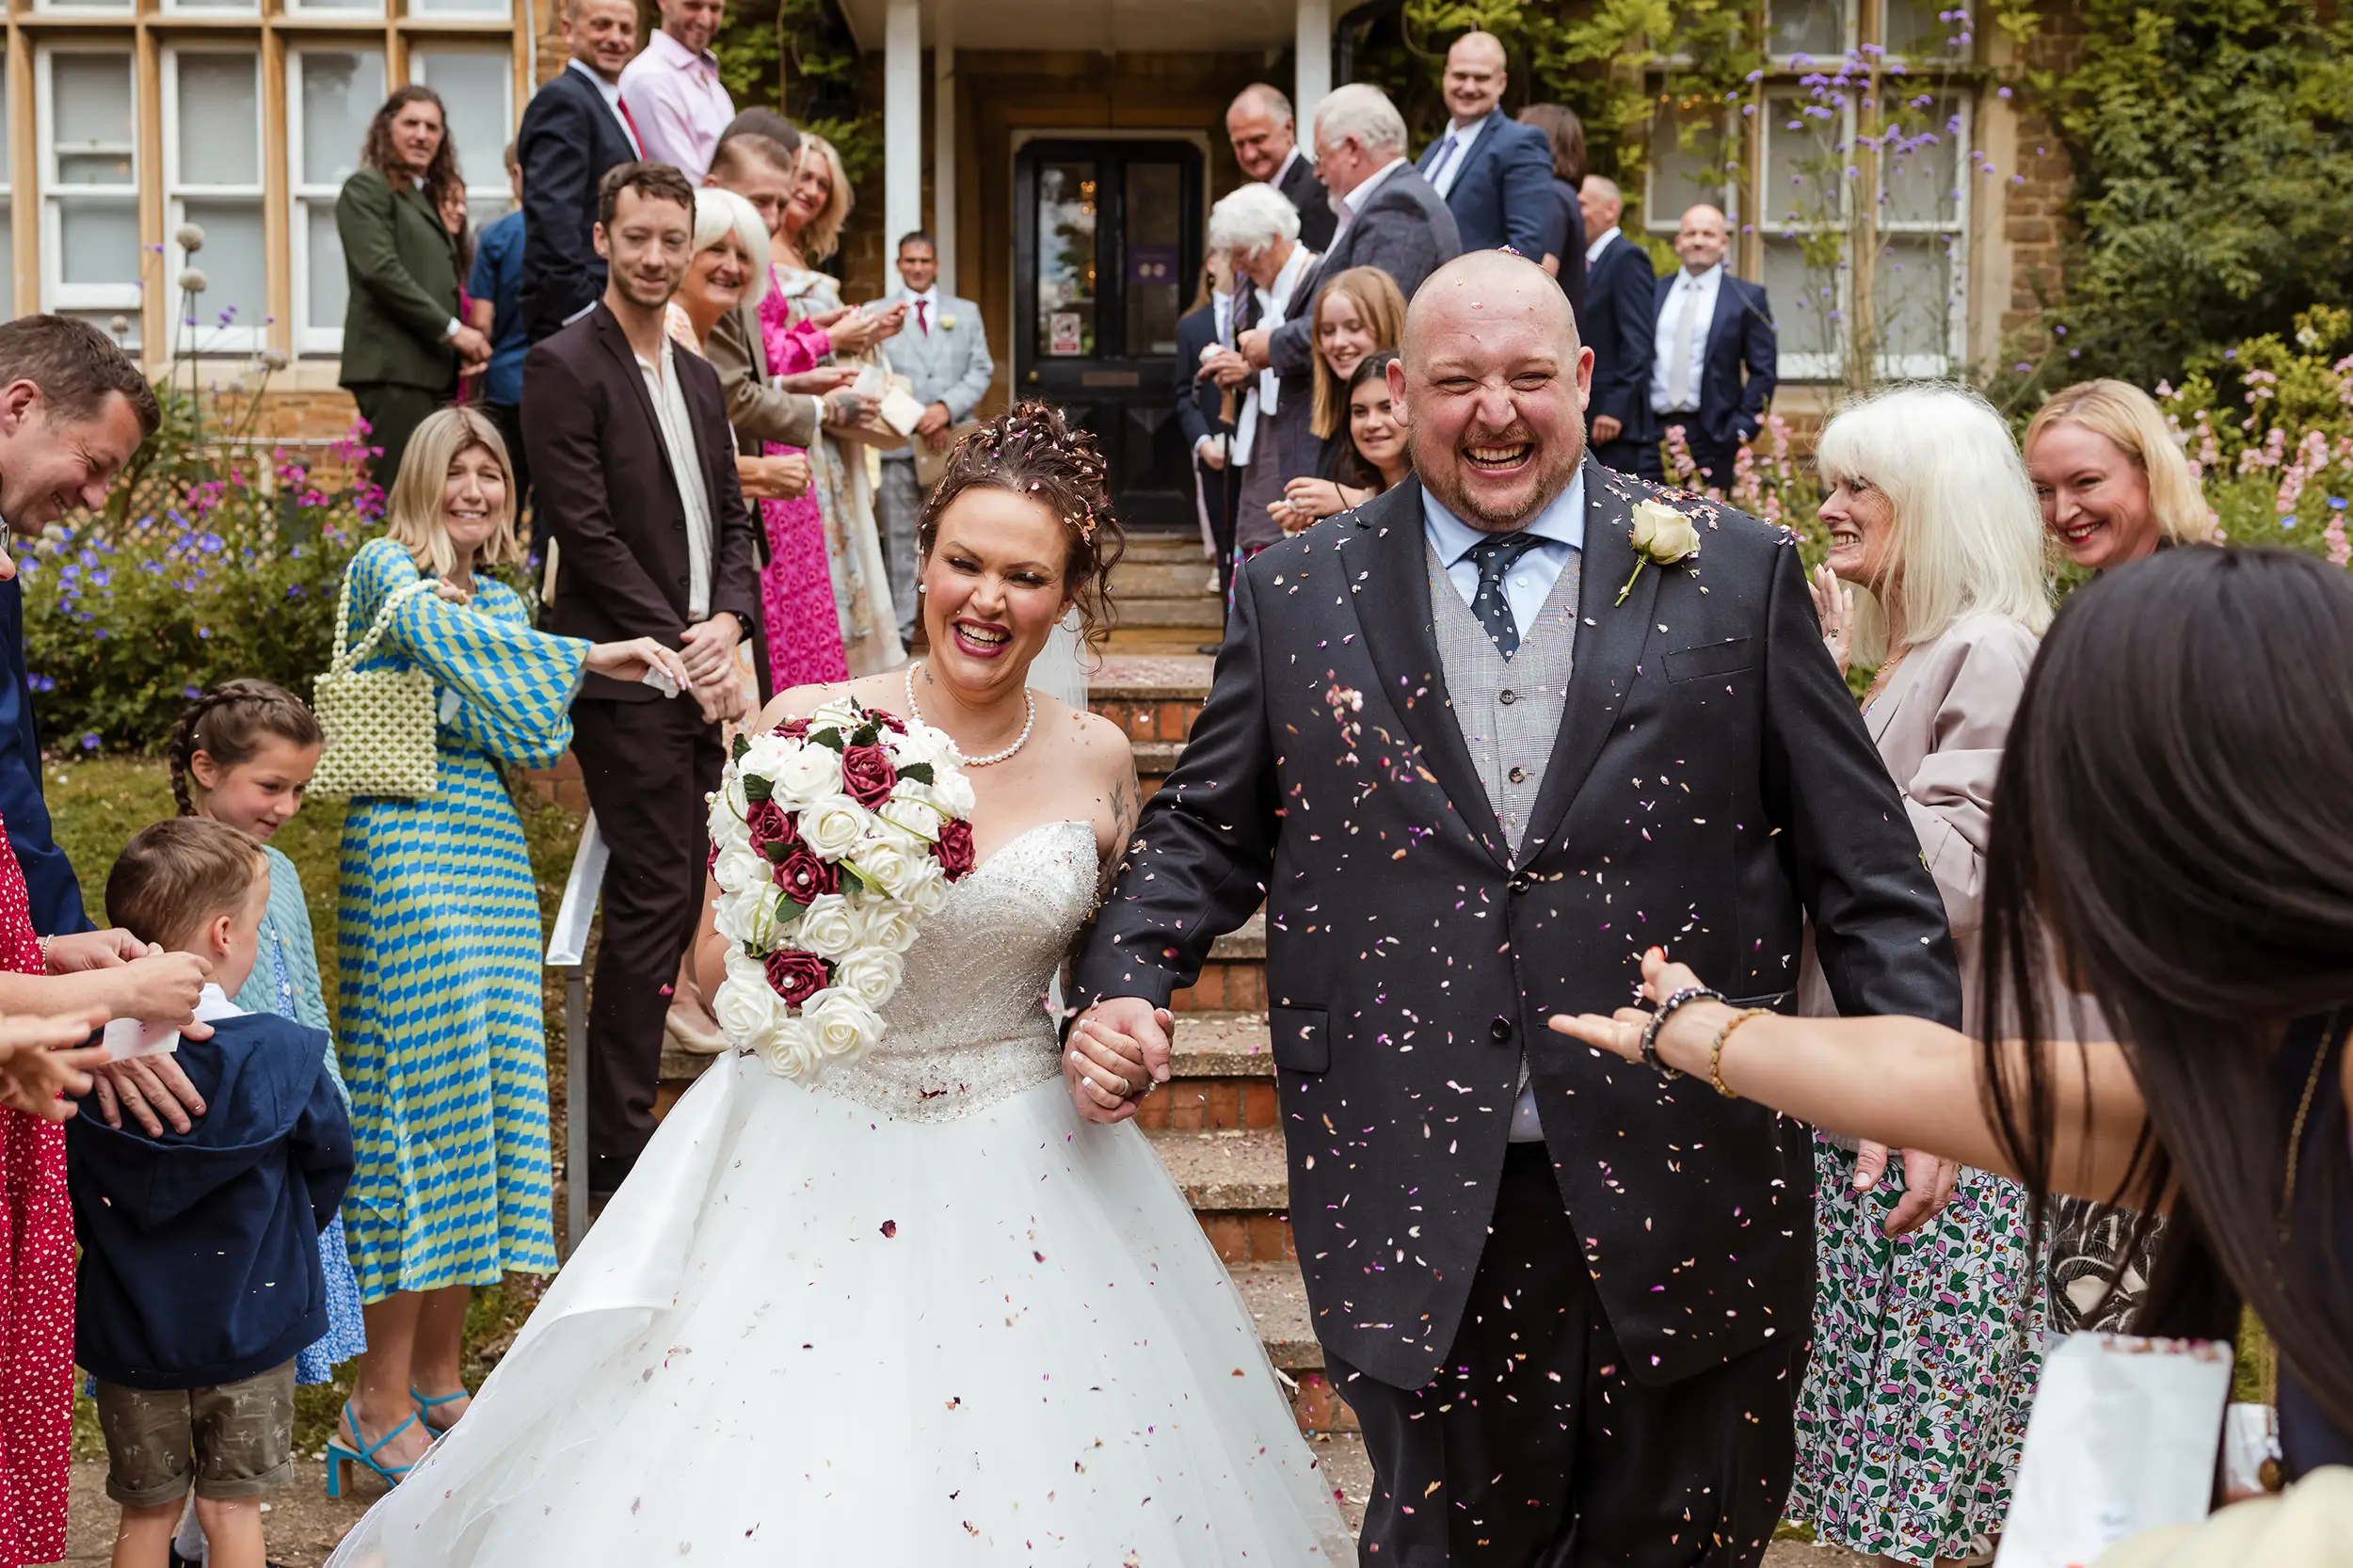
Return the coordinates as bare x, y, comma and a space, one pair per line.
1164, 582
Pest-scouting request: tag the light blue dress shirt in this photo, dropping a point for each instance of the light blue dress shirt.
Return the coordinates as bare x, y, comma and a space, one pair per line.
1561, 525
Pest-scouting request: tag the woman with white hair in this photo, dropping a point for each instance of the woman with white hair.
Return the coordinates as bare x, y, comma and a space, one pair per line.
1926, 1346
729, 266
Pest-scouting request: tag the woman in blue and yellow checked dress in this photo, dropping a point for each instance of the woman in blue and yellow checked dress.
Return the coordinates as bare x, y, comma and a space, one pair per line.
443, 1048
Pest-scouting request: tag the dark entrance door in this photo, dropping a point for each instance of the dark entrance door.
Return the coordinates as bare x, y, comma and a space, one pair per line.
1106, 248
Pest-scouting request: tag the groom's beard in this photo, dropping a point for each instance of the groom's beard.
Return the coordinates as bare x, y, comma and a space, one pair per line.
1556, 467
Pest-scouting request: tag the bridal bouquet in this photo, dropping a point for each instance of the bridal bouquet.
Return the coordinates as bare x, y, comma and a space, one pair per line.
832, 838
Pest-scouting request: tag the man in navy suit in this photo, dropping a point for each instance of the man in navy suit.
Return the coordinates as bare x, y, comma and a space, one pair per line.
573, 130
1495, 173
1266, 144
1620, 307
1712, 370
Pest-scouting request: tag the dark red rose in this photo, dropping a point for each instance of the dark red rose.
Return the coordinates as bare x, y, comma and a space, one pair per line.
954, 850
796, 976
710, 861
795, 730
891, 722
769, 823
801, 876
868, 774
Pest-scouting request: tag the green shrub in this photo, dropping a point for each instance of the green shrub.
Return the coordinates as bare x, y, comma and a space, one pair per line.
216, 556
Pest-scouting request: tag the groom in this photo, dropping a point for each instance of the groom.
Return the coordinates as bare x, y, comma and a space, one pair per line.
1474, 774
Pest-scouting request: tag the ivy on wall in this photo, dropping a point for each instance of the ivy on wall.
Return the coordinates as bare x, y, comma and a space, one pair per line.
2213, 146
798, 55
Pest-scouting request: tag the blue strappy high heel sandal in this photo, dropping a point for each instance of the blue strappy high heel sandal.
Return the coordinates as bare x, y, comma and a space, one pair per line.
341, 1458
425, 1407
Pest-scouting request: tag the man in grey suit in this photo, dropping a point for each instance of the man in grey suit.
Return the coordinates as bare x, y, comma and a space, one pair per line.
1266, 145
943, 349
1389, 216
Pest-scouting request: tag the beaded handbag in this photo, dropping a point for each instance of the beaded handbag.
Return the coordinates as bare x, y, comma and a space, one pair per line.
380, 723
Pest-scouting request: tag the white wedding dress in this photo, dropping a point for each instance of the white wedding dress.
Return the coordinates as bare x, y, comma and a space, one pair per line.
920, 1315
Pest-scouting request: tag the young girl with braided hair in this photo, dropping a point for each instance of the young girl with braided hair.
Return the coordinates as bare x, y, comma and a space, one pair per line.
242, 755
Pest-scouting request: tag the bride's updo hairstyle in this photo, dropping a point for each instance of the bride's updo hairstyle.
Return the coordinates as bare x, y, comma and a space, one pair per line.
1030, 450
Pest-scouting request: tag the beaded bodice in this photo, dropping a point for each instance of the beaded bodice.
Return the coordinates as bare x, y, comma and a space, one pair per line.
969, 1026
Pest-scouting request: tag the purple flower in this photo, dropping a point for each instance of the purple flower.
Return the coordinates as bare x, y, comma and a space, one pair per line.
89, 742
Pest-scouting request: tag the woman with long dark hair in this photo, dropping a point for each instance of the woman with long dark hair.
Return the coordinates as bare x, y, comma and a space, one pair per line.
2173, 825
404, 342
1564, 246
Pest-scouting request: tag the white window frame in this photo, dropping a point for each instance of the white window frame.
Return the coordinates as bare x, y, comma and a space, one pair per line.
356, 15
248, 8
121, 11
249, 336
1850, 29
426, 13
1663, 215
1831, 366
481, 194
303, 194
56, 293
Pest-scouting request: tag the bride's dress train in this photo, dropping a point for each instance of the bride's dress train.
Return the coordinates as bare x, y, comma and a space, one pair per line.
922, 1315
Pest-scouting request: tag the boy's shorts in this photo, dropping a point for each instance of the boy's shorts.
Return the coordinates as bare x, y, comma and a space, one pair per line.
235, 1440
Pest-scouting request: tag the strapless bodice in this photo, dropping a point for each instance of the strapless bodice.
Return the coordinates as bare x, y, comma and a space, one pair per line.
970, 1025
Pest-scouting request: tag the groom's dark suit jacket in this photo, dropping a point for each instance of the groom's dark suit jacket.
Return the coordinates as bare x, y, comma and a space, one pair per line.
1710, 786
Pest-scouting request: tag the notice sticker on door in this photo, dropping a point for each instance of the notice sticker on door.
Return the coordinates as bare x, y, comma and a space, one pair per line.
1063, 334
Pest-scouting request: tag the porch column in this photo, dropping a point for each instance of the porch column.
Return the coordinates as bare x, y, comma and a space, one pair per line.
903, 121
944, 141
1313, 50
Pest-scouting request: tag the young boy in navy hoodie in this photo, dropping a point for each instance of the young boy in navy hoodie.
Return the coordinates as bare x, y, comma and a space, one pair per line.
199, 1276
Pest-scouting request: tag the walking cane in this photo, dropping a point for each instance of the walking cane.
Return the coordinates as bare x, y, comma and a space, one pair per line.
568, 944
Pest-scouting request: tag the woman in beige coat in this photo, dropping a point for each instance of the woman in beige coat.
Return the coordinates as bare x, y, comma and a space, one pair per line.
1926, 1347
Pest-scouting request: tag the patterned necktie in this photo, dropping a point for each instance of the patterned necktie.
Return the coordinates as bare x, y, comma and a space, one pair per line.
1494, 557
922, 325
1446, 156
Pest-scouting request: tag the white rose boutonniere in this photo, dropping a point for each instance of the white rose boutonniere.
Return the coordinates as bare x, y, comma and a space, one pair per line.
948, 322
1662, 537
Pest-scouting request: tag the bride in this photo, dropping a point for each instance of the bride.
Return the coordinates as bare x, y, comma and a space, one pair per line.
922, 1313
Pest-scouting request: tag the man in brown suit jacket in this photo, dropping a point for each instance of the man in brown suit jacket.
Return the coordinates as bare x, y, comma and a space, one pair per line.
629, 446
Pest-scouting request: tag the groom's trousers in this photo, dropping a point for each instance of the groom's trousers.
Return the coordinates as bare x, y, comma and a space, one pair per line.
1534, 1448
648, 766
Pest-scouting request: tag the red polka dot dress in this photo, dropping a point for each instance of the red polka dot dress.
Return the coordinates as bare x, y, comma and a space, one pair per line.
36, 1294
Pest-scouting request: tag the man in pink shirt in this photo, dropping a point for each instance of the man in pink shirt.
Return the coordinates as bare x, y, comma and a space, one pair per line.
671, 95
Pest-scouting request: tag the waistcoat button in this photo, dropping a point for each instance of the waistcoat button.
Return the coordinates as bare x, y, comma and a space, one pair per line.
1507, 696
1518, 776
1500, 1029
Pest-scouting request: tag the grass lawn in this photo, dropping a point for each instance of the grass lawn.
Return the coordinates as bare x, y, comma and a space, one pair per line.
99, 804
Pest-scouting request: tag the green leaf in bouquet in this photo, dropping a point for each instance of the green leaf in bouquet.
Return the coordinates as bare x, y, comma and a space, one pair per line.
852, 873
776, 851
827, 738
757, 788
742, 744
866, 734
920, 772
788, 911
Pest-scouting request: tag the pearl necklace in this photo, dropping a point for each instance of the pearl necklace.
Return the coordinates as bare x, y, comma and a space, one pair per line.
1028, 718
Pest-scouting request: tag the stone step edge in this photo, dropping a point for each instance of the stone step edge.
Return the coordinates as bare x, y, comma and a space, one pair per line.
1277, 1295
1230, 1171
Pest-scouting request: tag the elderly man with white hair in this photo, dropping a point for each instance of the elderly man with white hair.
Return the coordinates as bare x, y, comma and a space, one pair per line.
1389, 216
1274, 440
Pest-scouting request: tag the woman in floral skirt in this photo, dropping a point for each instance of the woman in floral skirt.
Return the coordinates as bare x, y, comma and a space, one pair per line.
1926, 1346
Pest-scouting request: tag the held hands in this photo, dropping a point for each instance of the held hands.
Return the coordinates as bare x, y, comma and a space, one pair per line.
93, 950
778, 479
707, 649
631, 660
818, 381
1226, 367
1685, 1043
1118, 1050
847, 410
41, 1059
1252, 346
1834, 602
1312, 500
157, 988
472, 347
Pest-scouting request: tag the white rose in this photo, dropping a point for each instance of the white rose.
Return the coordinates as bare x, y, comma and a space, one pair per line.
748, 917
914, 818
732, 792
764, 753
738, 868
790, 1050
952, 792
846, 1027
883, 865
870, 974
827, 928
721, 821
926, 886
1662, 535
834, 826
888, 925
921, 743
746, 1009
806, 773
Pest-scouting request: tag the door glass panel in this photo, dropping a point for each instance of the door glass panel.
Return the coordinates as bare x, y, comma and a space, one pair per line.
1065, 259
1156, 257
341, 90
330, 285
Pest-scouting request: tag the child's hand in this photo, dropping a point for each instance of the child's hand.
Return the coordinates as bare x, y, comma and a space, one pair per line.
43, 1057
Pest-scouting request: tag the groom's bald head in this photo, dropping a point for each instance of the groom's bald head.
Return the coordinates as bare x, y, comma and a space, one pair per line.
1492, 381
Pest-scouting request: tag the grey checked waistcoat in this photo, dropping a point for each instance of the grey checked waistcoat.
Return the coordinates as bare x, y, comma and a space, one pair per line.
1508, 709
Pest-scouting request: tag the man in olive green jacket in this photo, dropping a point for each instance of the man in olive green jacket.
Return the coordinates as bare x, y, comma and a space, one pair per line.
403, 343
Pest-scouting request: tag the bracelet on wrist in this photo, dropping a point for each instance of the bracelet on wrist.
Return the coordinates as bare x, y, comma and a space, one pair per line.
1658, 1020
1716, 1051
